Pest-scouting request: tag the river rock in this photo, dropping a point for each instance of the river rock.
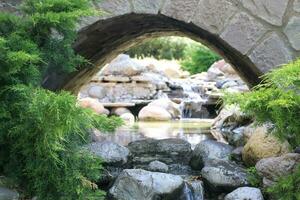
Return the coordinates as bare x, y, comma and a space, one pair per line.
236, 154
154, 113
120, 111
138, 184
168, 105
123, 65
111, 153
209, 149
93, 104
244, 193
8, 194
169, 151
271, 169
235, 137
230, 116
157, 166
263, 145
222, 175
128, 118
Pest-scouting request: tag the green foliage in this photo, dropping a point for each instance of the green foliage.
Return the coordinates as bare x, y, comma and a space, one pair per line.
41, 132
168, 48
253, 178
287, 188
198, 58
42, 144
276, 100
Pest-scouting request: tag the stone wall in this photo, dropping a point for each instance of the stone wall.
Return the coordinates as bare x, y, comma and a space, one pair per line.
254, 36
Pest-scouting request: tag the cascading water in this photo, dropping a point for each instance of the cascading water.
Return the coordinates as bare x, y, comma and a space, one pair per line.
193, 191
194, 98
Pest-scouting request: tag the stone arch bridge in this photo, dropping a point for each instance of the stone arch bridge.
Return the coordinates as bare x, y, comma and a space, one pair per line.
255, 36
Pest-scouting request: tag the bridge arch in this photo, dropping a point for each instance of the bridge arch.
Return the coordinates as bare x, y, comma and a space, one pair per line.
255, 36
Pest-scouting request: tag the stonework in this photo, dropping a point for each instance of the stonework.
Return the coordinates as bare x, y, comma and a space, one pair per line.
243, 32
181, 10
213, 15
297, 5
270, 54
254, 36
292, 31
146, 6
271, 11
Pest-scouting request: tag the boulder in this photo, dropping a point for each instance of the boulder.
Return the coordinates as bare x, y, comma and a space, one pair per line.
209, 149
214, 71
168, 105
157, 166
123, 65
93, 104
236, 154
169, 151
230, 116
222, 175
120, 111
235, 137
271, 169
244, 193
111, 153
128, 118
263, 145
8, 194
154, 113
138, 184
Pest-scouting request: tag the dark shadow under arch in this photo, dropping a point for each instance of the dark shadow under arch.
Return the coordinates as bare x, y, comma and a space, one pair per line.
105, 39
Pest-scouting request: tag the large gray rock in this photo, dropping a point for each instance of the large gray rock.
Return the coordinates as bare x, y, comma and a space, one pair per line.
271, 169
123, 66
7, 194
111, 153
207, 150
138, 184
169, 151
244, 193
157, 166
271, 11
221, 175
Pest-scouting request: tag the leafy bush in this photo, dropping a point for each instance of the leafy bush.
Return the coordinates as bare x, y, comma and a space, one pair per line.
198, 58
276, 100
253, 178
168, 48
287, 188
41, 132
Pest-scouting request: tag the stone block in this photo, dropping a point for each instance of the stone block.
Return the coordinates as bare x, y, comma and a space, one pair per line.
297, 5
181, 10
212, 15
146, 6
243, 32
114, 7
292, 31
271, 53
271, 11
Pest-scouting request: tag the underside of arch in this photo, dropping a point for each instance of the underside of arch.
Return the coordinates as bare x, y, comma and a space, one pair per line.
105, 39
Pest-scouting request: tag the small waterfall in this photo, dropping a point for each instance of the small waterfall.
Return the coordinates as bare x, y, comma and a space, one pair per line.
193, 99
187, 193
193, 191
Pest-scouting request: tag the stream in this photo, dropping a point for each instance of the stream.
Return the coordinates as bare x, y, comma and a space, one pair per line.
191, 130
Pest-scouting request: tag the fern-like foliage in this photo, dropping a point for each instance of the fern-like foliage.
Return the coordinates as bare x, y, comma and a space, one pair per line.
276, 100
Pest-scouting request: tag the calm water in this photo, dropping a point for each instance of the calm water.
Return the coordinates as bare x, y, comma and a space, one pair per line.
192, 130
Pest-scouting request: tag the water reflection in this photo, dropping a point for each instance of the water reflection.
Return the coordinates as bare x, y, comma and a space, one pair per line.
192, 130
